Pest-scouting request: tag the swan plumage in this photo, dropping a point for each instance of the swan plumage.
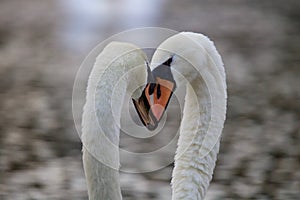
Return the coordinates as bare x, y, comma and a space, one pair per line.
101, 120
197, 64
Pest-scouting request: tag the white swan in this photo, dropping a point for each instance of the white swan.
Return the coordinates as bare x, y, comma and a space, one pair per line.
203, 117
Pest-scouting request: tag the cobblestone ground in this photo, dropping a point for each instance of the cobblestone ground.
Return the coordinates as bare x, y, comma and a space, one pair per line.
259, 41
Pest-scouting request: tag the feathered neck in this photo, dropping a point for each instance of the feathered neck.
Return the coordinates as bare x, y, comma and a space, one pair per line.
196, 63
108, 83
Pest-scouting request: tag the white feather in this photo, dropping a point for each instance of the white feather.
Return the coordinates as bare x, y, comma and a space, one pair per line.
201, 126
101, 116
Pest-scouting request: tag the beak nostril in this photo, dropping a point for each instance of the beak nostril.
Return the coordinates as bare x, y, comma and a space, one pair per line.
151, 88
158, 91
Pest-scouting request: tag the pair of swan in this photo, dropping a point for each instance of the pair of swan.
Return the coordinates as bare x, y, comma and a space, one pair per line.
185, 58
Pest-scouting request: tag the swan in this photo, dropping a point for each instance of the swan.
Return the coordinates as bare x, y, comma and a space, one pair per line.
186, 58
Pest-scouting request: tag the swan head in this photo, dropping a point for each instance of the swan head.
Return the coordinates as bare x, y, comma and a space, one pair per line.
156, 95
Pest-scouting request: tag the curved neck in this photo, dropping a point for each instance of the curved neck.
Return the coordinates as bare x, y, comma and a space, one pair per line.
101, 139
111, 77
203, 116
192, 174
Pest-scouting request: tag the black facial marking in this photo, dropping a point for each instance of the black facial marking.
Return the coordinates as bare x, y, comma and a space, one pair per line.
164, 71
158, 91
168, 62
151, 88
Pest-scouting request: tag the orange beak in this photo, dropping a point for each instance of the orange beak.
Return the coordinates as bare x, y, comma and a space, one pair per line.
142, 106
154, 101
162, 95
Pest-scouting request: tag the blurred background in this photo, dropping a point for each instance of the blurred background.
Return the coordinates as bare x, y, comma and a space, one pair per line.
42, 44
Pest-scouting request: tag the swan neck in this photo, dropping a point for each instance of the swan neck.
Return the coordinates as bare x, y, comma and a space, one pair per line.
192, 174
111, 78
101, 140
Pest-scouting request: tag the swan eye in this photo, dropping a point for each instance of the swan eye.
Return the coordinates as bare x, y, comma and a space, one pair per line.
168, 62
